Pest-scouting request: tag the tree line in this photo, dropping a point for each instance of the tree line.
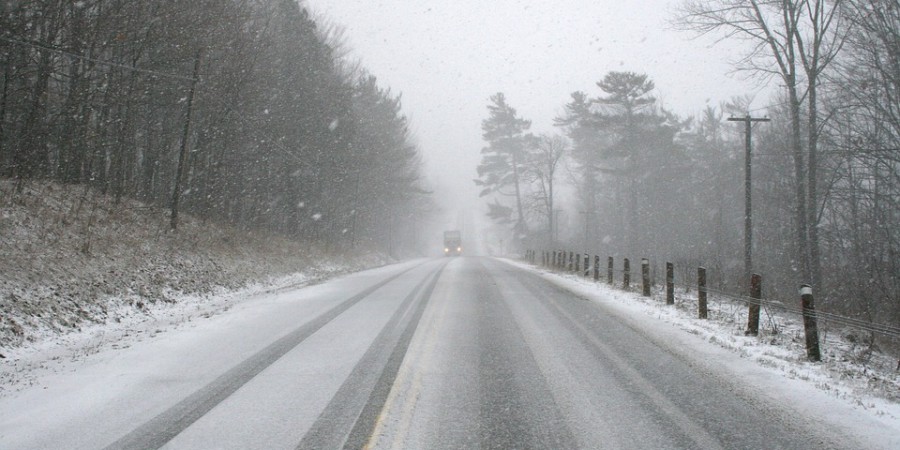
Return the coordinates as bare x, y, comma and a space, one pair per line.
245, 112
648, 183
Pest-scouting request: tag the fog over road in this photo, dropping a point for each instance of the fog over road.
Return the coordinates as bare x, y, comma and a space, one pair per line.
464, 352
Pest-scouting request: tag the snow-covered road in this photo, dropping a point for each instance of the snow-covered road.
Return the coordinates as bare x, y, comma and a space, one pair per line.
443, 353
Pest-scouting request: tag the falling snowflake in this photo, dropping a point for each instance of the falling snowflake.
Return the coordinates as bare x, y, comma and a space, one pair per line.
316, 216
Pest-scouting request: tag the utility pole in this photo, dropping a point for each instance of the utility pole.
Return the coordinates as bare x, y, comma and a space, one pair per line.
555, 232
587, 217
748, 214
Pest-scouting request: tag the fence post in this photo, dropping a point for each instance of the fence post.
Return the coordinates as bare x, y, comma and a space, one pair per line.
810, 326
670, 284
587, 265
645, 276
755, 295
626, 278
571, 261
609, 270
577, 263
596, 267
701, 292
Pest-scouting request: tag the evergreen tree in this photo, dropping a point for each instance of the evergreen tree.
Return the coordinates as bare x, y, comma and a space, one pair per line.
503, 160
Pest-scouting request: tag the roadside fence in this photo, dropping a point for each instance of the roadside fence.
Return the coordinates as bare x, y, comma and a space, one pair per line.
588, 266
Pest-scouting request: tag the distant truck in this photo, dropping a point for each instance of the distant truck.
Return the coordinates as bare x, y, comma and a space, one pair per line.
452, 243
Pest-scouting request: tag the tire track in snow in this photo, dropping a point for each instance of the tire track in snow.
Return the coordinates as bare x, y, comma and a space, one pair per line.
159, 430
351, 415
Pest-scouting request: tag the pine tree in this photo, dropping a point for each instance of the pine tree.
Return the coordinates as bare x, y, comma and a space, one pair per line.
502, 161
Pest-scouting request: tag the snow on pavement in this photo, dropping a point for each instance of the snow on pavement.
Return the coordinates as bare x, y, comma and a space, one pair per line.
836, 393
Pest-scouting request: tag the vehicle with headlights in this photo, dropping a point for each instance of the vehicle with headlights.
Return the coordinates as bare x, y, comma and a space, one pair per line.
452, 243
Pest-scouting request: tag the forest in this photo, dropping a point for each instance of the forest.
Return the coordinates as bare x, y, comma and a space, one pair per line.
243, 112
625, 177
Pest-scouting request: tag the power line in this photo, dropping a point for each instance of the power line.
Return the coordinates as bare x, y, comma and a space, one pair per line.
95, 60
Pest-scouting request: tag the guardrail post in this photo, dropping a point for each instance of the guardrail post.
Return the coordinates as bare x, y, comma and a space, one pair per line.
596, 267
670, 284
701, 292
577, 262
609, 270
645, 276
626, 278
755, 295
587, 265
810, 327
571, 257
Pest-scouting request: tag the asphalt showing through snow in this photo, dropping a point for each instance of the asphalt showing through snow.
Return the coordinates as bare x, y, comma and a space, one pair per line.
446, 353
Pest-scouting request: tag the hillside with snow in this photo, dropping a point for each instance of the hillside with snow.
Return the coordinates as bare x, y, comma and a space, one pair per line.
72, 259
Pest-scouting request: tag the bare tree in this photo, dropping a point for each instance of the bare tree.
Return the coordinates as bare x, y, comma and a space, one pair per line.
798, 36
544, 163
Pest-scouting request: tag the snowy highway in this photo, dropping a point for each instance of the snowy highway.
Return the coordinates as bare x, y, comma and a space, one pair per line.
465, 352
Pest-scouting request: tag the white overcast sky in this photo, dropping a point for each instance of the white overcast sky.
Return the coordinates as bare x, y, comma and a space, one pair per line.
447, 57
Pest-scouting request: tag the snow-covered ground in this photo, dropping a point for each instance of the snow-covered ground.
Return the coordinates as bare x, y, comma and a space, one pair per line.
856, 393
80, 272
852, 386
50, 352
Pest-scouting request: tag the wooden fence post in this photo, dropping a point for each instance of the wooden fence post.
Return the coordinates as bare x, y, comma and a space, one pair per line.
670, 284
609, 270
577, 262
701, 292
753, 315
571, 261
645, 276
810, 326
626, 278
596, 267
587, 265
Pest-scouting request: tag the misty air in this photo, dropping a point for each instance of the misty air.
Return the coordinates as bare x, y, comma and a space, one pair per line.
313, 224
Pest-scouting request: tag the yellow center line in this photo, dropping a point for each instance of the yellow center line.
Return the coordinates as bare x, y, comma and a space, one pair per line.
411, 362
415, 392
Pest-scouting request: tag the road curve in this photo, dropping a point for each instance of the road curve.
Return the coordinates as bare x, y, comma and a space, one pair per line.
444, 353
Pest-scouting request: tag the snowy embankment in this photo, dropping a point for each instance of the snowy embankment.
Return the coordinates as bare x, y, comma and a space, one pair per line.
853, 376
78, 271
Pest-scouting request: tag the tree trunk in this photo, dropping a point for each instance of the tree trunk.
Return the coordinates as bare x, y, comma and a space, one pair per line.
801, 226
813, 207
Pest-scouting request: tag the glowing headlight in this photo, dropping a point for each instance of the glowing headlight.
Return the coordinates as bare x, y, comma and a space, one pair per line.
446, 250
459, 249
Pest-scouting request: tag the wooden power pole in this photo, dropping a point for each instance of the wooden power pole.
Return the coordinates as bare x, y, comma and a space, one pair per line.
748, 215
